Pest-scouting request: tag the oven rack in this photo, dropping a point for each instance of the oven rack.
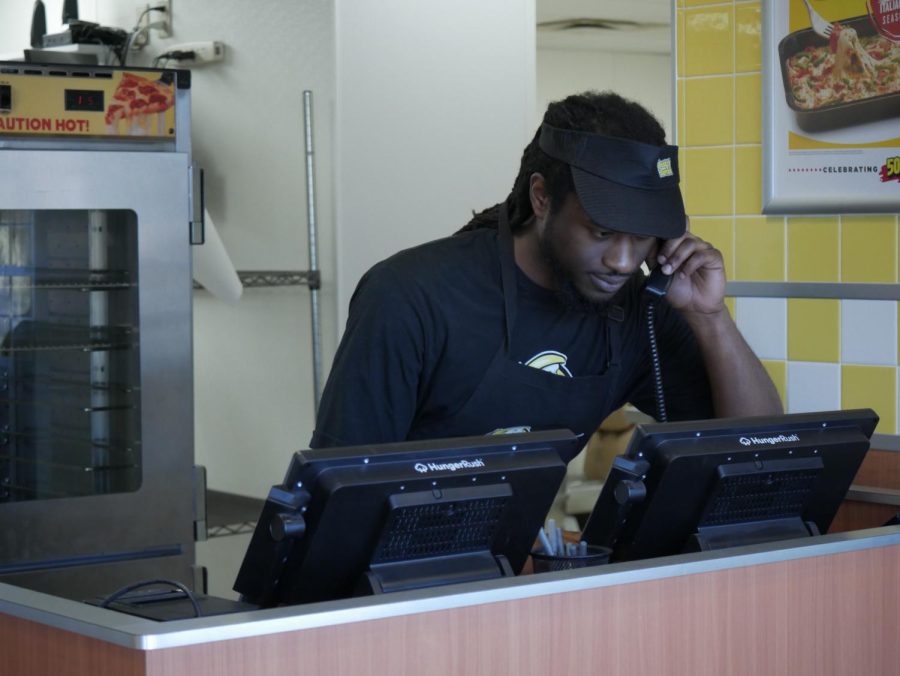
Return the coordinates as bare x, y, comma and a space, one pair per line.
69, 279
39, 336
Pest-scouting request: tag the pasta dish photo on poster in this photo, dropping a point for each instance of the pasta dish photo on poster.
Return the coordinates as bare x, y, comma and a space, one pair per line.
831, 106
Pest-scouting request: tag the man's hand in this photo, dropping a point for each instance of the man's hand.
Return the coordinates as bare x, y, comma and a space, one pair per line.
698, 284
698, 293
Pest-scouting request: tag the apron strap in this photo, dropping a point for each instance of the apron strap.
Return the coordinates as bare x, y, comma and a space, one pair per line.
614, 317
507, 273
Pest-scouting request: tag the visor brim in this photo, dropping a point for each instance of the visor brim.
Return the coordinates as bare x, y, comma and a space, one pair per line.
637, 211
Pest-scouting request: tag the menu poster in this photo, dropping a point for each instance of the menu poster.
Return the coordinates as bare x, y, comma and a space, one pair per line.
831, 106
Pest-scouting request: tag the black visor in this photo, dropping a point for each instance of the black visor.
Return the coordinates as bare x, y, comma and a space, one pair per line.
622, 184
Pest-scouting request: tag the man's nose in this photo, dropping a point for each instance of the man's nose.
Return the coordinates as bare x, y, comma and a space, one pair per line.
622, 256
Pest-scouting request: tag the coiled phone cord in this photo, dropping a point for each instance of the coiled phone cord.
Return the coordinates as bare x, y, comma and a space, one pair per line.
657, 368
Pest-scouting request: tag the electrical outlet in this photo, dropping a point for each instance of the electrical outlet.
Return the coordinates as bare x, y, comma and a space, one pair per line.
159, 18
196, 53
163, 20
141, 28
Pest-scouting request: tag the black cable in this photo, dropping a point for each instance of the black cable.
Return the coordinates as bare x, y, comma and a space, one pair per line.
657, 367
116, 595
174, 55
123, 53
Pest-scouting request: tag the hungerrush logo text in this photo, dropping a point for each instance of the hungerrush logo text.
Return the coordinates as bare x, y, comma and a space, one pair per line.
423, 467
768, 441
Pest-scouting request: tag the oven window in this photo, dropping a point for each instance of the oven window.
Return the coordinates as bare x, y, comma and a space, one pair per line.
70, 382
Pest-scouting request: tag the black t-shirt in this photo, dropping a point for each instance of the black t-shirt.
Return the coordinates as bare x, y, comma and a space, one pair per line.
425, 324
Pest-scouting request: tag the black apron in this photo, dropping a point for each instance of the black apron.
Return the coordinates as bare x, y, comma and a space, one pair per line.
512, 395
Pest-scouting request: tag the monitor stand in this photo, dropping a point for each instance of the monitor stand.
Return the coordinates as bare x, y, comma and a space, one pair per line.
735, 535
433, 571
754, 502
439, 536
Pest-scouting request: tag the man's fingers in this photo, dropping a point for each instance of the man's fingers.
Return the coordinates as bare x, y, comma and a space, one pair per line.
675, 253
708, 258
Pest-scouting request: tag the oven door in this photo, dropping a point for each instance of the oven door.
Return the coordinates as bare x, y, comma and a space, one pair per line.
96, 398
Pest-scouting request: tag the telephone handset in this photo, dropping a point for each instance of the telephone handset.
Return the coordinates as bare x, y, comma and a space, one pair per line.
656, 286
657, 283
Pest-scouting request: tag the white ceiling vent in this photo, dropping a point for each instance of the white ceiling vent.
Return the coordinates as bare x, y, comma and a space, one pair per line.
614, 35
588, 24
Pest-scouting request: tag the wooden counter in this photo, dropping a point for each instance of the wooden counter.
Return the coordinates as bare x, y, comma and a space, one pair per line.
823, 605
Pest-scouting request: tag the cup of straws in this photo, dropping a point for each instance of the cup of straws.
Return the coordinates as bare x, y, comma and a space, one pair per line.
555, 553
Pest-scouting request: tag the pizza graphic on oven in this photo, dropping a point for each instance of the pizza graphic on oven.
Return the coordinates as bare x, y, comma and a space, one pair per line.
138, 106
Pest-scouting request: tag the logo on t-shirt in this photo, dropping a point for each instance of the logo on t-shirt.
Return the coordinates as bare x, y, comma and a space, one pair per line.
521, 429
664, 167
550, 361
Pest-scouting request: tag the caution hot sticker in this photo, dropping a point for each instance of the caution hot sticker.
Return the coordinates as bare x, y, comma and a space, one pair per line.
126, 104
37, 125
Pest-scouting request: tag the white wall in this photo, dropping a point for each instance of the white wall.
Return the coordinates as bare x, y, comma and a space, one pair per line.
15, 22
435, 104
252, 361
645, 78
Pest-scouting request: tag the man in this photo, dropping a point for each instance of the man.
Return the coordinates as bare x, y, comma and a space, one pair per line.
534, 316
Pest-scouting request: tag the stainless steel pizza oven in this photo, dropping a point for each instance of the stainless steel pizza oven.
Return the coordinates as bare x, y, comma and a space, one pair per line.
96, 398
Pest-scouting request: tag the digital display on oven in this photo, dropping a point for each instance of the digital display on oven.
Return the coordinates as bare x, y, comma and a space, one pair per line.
84, 99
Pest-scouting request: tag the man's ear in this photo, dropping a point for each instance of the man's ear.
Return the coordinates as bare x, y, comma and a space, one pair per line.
537, 192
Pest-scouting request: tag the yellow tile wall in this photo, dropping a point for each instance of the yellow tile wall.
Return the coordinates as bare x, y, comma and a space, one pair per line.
814, 329
747, 179
872, 387
747, 109
813, 249
747, 33
709, 188
759, 249
712, 100
718, 54
869, 249
708, 39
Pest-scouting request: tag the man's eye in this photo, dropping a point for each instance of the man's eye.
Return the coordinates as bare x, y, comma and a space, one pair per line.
601, 234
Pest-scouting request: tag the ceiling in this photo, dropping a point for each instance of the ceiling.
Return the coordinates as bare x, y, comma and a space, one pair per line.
647, 28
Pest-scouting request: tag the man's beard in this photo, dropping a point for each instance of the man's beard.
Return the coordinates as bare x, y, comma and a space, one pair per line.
567, 293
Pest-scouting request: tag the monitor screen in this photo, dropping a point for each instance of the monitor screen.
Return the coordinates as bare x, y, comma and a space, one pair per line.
710, 484
379, 518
